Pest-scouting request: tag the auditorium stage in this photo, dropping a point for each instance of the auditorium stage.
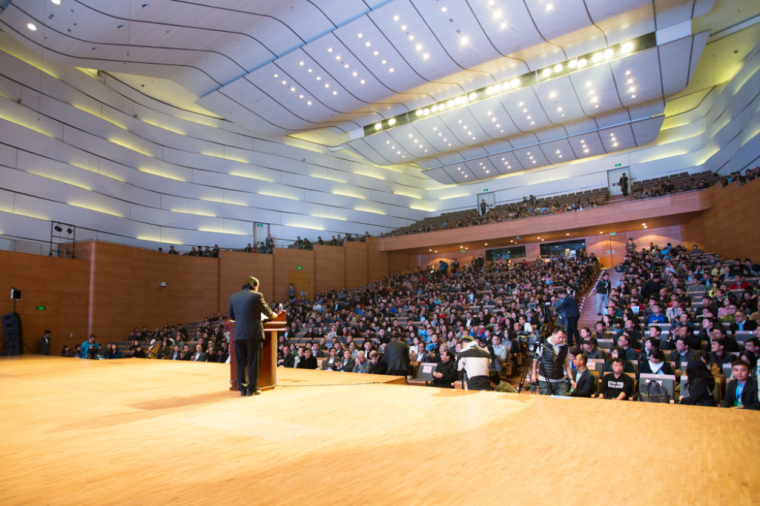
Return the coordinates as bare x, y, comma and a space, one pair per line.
157, 432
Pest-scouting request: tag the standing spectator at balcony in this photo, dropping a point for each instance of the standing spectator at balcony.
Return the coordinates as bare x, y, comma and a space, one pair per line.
207, 252
623, 182
603, 290
292, 292
483, 207
193, 252
630, 247
172, 251
43, 345
270, 244
215, 252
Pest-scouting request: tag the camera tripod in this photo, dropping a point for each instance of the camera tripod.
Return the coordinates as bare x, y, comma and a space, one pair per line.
533, 357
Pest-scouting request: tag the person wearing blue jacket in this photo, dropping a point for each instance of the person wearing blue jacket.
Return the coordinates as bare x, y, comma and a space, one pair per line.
570, 308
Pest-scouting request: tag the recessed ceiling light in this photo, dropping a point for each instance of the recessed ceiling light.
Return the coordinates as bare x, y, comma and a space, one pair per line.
329, 50
376, 53
292, 88
443, 9
390, 70
355, 74
411, 37
362, 81
319, 78
308, 103
552, 94
384, 62
549, 7
558, 67
395, 18
31, 26
503, 25
465, 40
608, 53
337, 57
327, 85
309, 70
360, 35
57, 2
300, 63
300, 96
403, 27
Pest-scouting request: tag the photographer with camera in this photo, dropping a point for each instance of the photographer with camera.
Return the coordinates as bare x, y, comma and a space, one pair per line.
553, 361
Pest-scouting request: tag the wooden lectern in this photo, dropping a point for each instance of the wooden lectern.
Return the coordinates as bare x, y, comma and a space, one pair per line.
268, 371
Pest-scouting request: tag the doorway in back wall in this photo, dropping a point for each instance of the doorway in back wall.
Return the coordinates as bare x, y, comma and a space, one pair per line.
613, 180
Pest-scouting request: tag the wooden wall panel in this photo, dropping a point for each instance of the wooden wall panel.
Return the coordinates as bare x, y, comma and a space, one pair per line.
286, 271
398, 262
329, 263
126, 292
356, 264
235, 267
61, 285
729, 227
377, 261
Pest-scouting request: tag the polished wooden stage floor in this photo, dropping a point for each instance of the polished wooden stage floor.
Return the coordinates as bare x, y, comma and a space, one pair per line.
154, 432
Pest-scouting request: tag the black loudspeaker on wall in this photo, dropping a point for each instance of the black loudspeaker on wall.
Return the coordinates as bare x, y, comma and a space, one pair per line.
13, 341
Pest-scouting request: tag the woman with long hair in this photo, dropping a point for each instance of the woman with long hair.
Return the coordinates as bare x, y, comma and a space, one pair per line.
701, 385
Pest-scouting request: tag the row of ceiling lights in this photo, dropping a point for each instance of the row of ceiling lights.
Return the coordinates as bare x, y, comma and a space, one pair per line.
526, 79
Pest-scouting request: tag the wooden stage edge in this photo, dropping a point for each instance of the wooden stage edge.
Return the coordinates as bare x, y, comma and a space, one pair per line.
132, 431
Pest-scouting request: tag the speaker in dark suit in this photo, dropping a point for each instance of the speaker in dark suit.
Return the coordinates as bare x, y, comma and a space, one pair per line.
246, 308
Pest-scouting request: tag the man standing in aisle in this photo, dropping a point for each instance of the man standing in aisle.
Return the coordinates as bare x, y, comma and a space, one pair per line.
246, 308
570, 307
603, 290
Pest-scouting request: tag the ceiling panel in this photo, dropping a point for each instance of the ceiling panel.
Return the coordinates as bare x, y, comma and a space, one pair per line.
558, 151
648, 130
617, 138
675, 57
586, 145
458, 31
506, 163
482, 168
555, 19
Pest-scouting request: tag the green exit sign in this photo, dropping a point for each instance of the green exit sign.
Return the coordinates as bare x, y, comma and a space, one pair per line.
299, 267
259, 224
41, 308
618, 164
485, 190
462, 251
613, 233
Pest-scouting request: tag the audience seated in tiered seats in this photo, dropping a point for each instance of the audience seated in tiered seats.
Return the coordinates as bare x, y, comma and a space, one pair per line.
668, 185
692, 307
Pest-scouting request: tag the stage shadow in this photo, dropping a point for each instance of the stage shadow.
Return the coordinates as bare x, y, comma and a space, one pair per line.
148, 410
179, 402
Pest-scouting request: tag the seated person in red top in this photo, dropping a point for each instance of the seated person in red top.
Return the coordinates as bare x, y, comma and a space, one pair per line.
617, 385
738, 284
741, 391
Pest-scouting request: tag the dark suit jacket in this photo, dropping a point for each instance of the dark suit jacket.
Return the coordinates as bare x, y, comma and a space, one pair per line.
397, 356
584, 385
288, 361
246, 307
43, 346
198, 357
748, 325
749, 395
569, 306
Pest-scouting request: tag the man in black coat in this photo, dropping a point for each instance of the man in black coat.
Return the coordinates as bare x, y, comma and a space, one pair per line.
246, 308
43, 345
570, 307
397, 357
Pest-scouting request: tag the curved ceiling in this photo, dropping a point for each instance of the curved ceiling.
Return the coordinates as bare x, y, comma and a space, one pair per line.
332, 66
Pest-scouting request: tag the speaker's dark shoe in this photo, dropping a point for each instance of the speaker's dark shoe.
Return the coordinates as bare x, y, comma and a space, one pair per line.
243, 393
